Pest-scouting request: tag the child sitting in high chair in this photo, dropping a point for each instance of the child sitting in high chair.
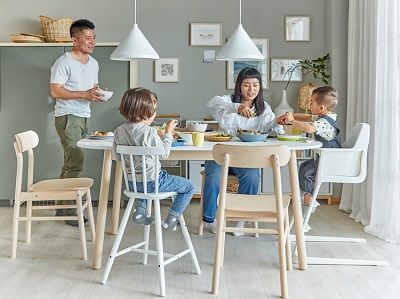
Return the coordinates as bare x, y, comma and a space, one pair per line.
321, 122
138, 106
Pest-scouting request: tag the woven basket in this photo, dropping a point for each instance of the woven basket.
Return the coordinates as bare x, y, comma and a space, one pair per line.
55, 30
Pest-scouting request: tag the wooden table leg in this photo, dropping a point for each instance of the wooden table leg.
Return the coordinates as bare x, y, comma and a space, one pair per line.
297, 213
102, 210
116, 198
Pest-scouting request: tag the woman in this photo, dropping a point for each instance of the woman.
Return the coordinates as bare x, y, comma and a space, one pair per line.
245, 109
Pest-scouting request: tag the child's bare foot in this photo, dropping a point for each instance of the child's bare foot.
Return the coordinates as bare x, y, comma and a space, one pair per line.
307, 199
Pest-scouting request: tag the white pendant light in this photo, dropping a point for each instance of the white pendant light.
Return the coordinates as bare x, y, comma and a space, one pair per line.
134, 46
240, 46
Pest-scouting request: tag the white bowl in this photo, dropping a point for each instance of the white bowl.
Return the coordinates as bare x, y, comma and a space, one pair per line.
197, 127
186, 136
105, 94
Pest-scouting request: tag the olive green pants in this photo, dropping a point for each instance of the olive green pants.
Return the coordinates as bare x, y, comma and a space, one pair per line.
71, 129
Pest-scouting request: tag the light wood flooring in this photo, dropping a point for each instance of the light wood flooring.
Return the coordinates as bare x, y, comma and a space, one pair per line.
50, 266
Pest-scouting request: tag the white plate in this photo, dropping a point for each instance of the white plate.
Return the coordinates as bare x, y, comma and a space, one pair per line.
290, 137
105, 94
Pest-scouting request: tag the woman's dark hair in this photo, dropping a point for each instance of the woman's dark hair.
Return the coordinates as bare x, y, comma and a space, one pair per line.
138, 104
249, 73
80, 25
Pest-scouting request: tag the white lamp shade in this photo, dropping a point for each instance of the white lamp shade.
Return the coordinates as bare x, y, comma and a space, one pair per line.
134, 46
240, 47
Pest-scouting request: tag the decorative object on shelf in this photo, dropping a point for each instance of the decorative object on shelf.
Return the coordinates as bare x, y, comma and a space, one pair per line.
205, 34
304, 99
134, 46
240, 46
284, 106
209, 56
318, 67
297, 28
27, 38
166, 70
56, 30
280, 69
233, 68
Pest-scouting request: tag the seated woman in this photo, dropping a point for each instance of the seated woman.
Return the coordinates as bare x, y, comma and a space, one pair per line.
245, 109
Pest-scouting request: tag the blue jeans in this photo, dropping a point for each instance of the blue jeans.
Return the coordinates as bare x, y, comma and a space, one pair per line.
168, 183
249, 181
307, 173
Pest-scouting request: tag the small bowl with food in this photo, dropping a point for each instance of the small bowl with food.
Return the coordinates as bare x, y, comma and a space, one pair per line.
251, 135
196, 127
185, 136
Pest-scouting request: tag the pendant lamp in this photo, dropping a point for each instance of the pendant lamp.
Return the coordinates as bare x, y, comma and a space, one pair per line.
240, 46
134, 46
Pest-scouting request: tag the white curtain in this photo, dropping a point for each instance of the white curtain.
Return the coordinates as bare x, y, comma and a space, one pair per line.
374, 97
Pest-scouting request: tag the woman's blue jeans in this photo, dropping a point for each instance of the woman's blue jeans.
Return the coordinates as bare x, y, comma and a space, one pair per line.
249, 182
168, 183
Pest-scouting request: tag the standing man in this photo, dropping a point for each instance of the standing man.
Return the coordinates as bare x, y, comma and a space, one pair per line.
74, 84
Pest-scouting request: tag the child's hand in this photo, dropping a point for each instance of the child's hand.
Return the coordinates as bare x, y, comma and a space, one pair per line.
280, 120
171, 124
289, 117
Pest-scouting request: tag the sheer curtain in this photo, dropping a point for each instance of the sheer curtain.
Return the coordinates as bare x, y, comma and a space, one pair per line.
374, 97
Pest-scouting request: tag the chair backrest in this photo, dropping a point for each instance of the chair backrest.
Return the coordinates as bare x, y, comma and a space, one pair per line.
350, 164
250, 156
128, 153
25, 141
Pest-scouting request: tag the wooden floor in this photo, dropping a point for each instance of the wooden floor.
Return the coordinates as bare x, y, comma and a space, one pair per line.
50, 267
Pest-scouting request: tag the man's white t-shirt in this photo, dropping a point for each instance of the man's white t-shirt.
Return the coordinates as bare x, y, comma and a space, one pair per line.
75, 76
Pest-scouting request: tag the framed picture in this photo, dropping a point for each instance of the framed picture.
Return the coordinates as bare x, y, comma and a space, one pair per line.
205, 34
297, 28
280, 67
166, 70
233, 68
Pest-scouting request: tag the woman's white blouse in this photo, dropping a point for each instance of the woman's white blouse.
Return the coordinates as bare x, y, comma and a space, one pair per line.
225, 112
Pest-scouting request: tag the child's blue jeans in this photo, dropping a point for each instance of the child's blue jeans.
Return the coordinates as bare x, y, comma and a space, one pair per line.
168, 183
307, 173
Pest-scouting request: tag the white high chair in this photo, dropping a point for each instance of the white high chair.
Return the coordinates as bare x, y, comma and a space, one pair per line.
127, 153
341, 165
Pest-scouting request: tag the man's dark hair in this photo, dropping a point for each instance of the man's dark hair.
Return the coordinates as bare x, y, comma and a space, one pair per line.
80, 25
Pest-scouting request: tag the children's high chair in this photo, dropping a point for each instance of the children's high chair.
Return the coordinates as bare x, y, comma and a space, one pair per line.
127, 153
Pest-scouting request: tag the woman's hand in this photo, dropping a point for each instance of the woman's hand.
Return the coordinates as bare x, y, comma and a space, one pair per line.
245, 111
171, 124
289, 117
281, 120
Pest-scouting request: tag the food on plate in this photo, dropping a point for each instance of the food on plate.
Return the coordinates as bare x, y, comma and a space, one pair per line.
218, 137
249, 132
103, 133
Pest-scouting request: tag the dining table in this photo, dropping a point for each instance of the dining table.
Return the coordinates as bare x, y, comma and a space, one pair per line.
189, 152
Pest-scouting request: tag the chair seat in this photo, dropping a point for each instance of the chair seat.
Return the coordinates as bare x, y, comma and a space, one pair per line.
62, 184
252, 206
152, 196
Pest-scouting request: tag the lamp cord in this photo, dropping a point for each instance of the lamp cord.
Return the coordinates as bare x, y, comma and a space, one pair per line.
135, 12
240, 11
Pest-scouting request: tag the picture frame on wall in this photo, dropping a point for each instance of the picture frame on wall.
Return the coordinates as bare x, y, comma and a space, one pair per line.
205, 34
233, 68
297, 29
166, 70
280, 67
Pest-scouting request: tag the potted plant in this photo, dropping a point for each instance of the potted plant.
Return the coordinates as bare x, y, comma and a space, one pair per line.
317, 67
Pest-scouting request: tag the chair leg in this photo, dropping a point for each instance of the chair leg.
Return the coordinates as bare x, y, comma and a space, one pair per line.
189, 244
223, 247
201, 225
90, 215
288, 247
15, 229
282, 259
28, 224
116, 198
256, 227
117, 240
147, 233
81, 223
159, 245
218, 254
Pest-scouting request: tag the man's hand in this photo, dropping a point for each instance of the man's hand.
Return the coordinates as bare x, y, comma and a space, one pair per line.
93, 94
245, 111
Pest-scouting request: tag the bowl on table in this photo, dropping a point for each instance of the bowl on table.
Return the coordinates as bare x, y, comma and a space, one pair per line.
253, 137
196, 127
178, 142
185, 136
105, 94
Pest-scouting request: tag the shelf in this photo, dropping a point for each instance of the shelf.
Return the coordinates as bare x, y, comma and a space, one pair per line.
100, 44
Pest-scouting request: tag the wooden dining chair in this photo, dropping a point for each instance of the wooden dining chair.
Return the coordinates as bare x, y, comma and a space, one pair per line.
127, 153
46, 190
261, 208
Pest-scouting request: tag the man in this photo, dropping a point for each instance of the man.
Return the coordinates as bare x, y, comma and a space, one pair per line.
74, 84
